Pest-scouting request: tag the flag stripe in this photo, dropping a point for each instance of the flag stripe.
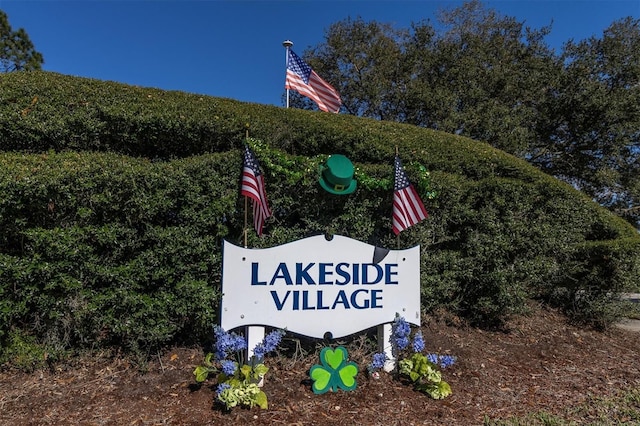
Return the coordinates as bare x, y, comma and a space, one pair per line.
407, 205
302, 79
253, 187
317, 90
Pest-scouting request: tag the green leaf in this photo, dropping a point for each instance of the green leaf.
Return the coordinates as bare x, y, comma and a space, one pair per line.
201, 373
406, 366
261, 400
207, 359
348, 375
444, 389
333, 359
321, 379
414, 376
260, 370
245, 370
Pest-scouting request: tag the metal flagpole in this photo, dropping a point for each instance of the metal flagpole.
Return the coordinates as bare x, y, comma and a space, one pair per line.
287, 44
254, 334
397, 236
246, 202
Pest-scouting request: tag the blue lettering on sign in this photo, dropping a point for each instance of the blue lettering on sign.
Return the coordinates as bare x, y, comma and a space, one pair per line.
324, 273
354, 300
302, 273
313, 300
363, 275
282, 272
376, 295
388, 273
356, 274
254, 275
276, 299
341, 298
342, 273
327, 274
320, 305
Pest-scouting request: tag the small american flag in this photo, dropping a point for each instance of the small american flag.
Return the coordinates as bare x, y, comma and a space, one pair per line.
253, 187
304, 80
407, 205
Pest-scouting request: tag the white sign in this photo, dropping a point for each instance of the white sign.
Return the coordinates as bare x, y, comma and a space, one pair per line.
316, 286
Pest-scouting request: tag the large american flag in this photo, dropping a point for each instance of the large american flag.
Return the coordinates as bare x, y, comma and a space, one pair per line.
407, 205
304, 80
253, 187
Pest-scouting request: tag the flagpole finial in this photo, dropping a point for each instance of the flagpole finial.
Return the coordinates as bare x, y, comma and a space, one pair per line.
287, 43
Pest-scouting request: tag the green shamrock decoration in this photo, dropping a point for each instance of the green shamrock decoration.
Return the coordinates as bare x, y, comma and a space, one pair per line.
334, 373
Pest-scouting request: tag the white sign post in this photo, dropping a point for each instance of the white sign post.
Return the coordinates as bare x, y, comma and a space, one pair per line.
317, 286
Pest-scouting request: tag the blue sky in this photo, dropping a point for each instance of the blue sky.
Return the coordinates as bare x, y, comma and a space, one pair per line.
233, 49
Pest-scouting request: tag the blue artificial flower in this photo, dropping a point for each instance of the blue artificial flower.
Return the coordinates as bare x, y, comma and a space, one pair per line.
447, 361
401, 342
222, 387
238, 343
272, 340
268, 344
378, 361
229, 367
418, 342
433, 358
227, 343
400, 327
218, 332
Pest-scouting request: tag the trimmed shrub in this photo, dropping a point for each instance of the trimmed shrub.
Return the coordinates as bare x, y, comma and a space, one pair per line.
114, 201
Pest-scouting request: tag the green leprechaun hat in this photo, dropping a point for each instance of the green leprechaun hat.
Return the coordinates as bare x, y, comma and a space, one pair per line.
336, 175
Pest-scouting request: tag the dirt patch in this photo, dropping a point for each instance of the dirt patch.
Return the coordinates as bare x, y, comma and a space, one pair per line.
541, 364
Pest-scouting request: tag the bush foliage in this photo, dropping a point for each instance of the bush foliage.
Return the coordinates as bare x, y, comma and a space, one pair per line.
114, 201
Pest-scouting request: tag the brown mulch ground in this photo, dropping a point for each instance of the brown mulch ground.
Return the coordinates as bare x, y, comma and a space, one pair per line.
542, 364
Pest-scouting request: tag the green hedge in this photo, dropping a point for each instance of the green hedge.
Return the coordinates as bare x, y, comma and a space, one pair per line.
42, 111
106, 249
114, 201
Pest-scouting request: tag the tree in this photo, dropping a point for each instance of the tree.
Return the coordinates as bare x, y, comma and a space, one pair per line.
484, 76
17, 52
491, 77
487, 76
363, 60
596, 137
